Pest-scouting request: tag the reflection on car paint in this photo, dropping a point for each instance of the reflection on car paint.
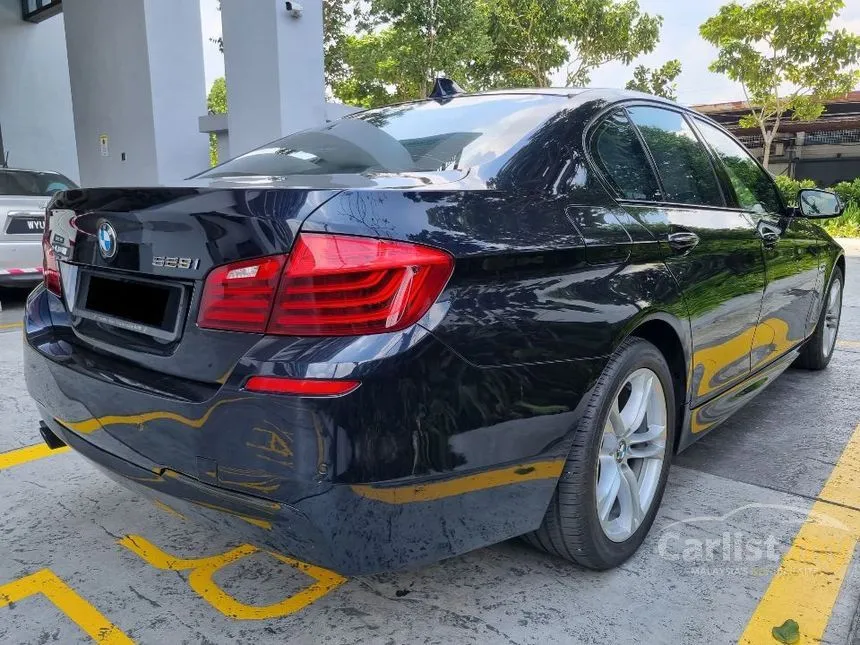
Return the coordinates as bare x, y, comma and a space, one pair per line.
716, 366
434, 490
87, 426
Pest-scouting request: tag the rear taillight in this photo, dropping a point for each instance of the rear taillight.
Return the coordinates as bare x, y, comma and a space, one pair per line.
238, 297
50, 265
336, 285
331, 285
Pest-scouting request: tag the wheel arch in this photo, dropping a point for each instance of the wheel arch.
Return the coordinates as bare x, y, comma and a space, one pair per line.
840, 262
672, 337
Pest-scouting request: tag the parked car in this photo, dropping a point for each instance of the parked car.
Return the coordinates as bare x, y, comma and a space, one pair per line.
433, 326
23, 197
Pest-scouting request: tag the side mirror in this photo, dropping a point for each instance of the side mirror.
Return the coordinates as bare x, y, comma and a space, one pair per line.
818, 204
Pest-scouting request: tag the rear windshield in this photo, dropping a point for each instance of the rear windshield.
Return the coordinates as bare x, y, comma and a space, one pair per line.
30, 183
415, 137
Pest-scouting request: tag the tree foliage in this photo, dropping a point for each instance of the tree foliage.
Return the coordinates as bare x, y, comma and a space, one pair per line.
533, 38
382, 51
659, 81
786, 56
404, 44
483, 44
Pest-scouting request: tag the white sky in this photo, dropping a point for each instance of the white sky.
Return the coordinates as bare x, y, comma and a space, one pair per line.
678, 39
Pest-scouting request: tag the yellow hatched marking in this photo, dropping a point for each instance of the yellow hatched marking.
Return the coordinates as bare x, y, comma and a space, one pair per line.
203, 570
67, 600
806, 585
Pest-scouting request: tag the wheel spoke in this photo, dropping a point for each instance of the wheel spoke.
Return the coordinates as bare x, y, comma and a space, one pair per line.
632, 490
654, 431
650, 450
615, 420
608, 486
638, 403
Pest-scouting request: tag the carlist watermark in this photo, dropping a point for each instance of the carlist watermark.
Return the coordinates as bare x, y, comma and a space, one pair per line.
749, 540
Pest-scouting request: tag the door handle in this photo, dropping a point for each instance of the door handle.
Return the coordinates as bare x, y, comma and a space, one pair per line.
682, 241
769, 234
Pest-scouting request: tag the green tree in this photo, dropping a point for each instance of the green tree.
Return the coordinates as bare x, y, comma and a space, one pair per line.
659, 81
532, 39
404, 44
786, 57
216, 103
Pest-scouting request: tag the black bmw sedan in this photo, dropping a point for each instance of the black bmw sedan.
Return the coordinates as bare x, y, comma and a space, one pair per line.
432, 326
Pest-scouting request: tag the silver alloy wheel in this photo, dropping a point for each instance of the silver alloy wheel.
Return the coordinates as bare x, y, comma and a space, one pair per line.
632, 450
831, 316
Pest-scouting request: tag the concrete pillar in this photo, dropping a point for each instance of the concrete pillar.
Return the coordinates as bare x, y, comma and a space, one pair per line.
138, 88
273, 63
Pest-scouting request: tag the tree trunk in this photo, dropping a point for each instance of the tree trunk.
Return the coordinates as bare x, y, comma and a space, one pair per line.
767, 139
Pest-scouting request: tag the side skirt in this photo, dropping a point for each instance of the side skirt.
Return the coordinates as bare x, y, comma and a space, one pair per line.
701, 420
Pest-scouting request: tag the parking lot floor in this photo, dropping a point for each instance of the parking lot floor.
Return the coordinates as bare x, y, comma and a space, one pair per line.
759, 524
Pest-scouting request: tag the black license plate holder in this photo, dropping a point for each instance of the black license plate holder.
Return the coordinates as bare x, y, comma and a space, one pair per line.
150, 307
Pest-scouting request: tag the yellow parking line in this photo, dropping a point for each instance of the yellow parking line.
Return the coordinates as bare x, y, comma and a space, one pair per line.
807, 583
68, 601
11, 326
30, 453
849, 343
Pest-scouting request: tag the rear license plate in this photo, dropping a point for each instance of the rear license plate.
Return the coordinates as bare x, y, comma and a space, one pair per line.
144, 306
25, 225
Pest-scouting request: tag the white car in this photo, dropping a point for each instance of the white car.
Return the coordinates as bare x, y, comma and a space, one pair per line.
23, 197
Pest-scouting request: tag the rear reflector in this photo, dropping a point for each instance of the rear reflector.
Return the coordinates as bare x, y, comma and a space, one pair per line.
330, 285
304, 387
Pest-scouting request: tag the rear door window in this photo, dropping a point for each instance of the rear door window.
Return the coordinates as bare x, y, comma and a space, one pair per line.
619, 155
683, 164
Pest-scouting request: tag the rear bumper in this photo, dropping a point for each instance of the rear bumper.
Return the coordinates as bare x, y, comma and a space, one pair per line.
320, 479
20, 263
344, 529
20, 277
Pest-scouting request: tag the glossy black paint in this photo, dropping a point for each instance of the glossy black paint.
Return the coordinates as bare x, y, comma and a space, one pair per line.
459, 430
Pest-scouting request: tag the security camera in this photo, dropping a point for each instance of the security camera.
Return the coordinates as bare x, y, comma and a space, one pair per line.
295, 9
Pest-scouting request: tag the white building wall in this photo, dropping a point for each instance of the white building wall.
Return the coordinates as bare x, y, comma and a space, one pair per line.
35, 96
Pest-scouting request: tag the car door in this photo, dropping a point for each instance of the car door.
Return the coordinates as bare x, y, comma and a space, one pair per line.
712, 250
790, 247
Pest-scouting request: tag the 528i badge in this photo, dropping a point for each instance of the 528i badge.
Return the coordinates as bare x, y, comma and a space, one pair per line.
175, 263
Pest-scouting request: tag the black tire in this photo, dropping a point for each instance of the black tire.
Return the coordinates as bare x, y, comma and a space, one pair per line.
814, 356
571, 528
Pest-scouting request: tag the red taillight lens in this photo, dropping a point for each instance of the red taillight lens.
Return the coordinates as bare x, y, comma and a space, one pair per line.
304, 387
50, 265
337, 285
238, 297
330, 285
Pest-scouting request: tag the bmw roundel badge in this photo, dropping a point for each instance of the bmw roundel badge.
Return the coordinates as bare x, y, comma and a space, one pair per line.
107, 240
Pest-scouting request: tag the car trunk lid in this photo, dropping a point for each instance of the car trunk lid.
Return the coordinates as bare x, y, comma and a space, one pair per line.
133, 262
